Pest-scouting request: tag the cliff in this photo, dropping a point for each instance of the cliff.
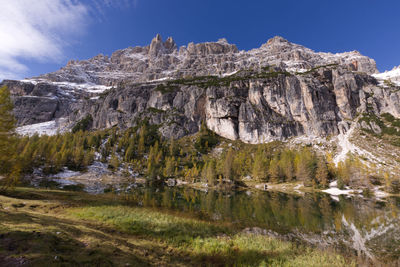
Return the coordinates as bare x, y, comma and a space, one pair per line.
274, 92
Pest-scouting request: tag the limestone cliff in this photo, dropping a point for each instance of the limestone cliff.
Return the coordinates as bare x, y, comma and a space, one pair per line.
274, 92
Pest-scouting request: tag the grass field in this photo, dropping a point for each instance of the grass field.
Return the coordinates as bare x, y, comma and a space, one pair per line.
59, 228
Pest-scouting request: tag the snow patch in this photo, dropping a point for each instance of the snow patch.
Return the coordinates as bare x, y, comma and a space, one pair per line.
335, 198
43, 128
228, 74
334, 191
297, 187
379, 193
88, 87
392, 75
160, 80
34, 82
333, 184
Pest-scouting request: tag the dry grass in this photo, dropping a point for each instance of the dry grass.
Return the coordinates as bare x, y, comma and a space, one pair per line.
57, 228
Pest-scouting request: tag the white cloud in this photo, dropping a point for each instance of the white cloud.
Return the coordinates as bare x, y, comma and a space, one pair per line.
40, 30
36, 30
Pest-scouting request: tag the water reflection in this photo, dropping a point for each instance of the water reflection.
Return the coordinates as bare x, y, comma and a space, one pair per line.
369, 227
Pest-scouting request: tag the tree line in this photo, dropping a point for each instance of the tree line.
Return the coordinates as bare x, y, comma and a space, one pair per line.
204, 157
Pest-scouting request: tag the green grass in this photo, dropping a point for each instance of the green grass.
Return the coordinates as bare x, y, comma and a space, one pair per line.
167, 228
59, 228
207, 242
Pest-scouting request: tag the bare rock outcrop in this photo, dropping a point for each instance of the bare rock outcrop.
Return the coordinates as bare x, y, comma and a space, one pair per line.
270, 93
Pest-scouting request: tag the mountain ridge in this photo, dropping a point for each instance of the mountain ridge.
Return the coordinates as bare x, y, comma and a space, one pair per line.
274, 92
164, 60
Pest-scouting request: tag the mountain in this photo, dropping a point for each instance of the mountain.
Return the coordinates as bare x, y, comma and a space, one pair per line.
275, 92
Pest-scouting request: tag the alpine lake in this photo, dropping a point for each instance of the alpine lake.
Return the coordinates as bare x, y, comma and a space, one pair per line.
359, 227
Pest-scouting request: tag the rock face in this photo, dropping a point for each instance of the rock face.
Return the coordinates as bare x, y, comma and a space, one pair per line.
274, 92
39, 102
164, 60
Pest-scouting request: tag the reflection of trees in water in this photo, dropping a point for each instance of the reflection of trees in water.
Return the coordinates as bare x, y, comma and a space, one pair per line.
280, 212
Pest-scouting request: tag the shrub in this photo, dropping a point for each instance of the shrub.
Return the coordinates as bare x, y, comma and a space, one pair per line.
83, 125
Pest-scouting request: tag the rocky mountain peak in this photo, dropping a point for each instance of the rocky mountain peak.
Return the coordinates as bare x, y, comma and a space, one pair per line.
156, 46
277, 40
170, 45
161, 60
222, 41
279, 44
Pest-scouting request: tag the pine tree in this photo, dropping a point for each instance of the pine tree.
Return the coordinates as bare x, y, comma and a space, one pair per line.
130, 151
88, 158
211, 173
7, 130
344, 173
173, 150
321, 174
286, 165
14, 176
142, 139
208, 173
78, 158
170, 166
302, 172
114, 162
274, 170
203, 127
259, 170
228, 171
204, 172
154, 162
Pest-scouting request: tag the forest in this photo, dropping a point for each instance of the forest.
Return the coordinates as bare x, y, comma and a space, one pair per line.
203, 157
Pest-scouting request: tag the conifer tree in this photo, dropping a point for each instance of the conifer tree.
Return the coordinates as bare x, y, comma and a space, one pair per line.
274, 170
302, 170
208, 173
173, 148
321, 174
344, 173
154, 161
286, 165
259, 170
130, 151
7, 128
204, 172
211, 174
170, 166
114, 162
228, 171
142, 139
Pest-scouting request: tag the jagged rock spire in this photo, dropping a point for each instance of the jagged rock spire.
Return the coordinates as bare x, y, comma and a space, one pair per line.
170, 45
158, 47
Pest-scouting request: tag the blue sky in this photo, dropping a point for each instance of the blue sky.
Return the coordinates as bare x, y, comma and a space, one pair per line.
54, 31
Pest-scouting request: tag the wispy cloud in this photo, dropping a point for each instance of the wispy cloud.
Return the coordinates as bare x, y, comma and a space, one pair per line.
98, 8
40, 30
35, 30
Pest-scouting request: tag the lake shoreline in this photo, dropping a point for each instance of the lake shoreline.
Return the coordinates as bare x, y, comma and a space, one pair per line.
102, 229
295, 187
